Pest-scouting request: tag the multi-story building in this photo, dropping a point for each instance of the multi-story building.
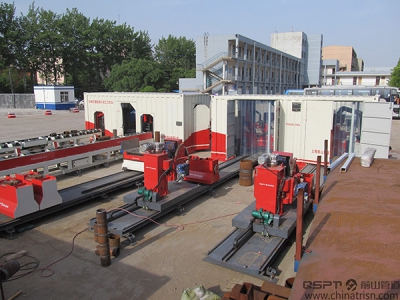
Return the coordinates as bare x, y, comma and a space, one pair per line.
341, 66
328, 70
306, 47
346, 55
229, 64
369, 77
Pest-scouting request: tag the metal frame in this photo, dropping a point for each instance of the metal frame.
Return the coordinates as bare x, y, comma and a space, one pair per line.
124, 224
75, 195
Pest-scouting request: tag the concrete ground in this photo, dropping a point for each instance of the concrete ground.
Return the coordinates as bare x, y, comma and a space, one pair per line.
31, 123
163, 262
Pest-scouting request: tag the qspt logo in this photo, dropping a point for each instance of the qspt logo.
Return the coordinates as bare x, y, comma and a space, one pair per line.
351, 285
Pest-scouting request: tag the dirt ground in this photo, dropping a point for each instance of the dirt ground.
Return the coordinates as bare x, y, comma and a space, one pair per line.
162, 263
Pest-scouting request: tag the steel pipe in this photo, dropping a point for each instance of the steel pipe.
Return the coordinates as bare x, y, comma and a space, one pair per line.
114, 251
102, 235
346, 165
95, 233
156, 136
338, 161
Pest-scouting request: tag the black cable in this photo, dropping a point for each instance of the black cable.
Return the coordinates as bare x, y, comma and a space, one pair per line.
135, 202
161, 176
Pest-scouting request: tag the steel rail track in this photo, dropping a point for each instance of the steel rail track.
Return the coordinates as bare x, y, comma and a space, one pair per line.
77, 194
124, 224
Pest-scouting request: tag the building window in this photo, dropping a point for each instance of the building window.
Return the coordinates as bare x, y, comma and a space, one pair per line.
64, 96
354, 80
377, 80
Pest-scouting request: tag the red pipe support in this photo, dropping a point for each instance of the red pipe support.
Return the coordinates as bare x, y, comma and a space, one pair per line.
317, 180
326, 158
331, 146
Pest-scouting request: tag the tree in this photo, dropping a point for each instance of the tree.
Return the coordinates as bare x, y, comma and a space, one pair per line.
135, 75
176, 53
49, 40
29, 55
142, 47
395, 76
72, 49
8, 36
74, 29
177, 57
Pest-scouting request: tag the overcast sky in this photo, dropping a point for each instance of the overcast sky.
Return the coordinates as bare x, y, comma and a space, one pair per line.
371, 27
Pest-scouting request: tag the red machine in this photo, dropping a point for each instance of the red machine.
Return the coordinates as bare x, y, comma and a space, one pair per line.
276, 182
27, 193
44, 188
171, 162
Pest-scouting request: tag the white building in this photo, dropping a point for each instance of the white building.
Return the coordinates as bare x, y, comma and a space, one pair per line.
368, 77
234, 64
54, 97
306, 47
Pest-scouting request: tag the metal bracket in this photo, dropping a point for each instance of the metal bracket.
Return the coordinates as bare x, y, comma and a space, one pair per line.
271, 272
213, 193
131, 238
10, 230
179, 210
104, 197
139, 184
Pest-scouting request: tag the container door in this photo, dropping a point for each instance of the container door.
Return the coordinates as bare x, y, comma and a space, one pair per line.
317, 128
292, 127
146, 122
202, 127
128, 118
99, 121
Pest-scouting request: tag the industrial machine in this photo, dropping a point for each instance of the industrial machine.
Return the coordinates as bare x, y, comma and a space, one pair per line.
27, 193
70, 151
263, 227
28, 186
276, 183
167, 162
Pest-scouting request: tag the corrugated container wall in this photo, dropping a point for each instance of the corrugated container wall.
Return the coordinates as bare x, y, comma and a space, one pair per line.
296, 124
243, 125
307, 121
175, 115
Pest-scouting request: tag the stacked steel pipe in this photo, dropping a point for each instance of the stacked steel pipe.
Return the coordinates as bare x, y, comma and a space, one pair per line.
102, 237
